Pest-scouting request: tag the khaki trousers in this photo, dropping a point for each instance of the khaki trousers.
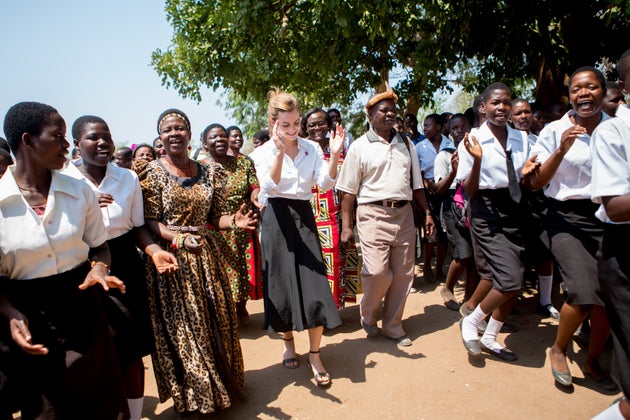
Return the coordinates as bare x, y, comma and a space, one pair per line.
387, 237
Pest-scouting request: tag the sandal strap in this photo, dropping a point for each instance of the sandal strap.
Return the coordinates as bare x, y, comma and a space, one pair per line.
287, 339
313, 352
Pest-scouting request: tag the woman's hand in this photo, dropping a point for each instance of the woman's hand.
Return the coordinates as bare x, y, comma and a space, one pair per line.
531, 166
104, 199
165, 262
278, 140
335, 142
193, 244
22, 335
429, 225
473, 147
569, 136
454, 161
98, 275
245, 219
254, 198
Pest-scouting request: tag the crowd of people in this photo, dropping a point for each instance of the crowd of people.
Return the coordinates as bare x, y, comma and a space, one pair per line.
155, 249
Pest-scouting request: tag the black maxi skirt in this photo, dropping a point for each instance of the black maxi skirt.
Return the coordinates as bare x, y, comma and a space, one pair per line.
614, 280
80, 376
128, 313
575, 235
296, 291
496, 229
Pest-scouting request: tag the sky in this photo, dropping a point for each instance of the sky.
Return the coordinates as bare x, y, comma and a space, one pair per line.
89, 57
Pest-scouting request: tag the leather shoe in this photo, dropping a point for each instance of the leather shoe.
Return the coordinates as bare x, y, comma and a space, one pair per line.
504, 354
508, 328
370, 330
472, 346
563, 378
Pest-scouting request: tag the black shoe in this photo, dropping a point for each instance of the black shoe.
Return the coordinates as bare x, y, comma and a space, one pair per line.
503, 354
548, 311
509, 328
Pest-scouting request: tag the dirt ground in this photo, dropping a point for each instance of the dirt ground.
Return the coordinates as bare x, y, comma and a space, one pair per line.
432, 379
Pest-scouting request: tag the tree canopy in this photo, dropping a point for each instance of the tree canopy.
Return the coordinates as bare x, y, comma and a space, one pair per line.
331, 51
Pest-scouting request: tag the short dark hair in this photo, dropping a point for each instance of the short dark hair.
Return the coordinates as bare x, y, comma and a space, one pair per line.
6, 156
315, 111
262, 135
435, 117
4, 145
126, 151
232, 128
25, 117
206, 130
80, 123
492, 87
140, 146
612, 85
598, 74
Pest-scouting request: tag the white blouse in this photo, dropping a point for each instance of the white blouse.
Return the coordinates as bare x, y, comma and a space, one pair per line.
31, 247
572, 180
298, 175
127, 210
493, 173
610, 147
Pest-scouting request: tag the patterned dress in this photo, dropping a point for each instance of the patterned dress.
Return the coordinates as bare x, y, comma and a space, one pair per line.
342, 264
240, 248
197, 360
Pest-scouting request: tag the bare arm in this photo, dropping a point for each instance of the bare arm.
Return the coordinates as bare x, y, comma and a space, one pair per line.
347, 216
617, 207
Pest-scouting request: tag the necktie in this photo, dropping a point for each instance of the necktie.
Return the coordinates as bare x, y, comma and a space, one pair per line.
513, 186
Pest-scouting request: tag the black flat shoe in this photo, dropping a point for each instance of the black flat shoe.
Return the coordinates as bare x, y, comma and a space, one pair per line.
504, 354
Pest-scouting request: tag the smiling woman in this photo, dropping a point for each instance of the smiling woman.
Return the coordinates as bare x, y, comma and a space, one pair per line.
561, 163
62, 363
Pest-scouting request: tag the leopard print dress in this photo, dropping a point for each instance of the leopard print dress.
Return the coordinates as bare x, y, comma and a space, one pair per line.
197, 360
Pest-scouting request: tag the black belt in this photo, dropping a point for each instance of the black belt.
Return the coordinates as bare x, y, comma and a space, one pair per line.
390, 203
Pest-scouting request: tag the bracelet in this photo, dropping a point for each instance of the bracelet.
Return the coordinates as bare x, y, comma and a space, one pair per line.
93, 263
233, 222
174, 241
180, 240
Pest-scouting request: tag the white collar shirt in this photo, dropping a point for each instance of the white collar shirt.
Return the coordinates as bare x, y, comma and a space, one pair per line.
127, 210
442, 167
610, 148
298, 175
493, 173
376, 169
33, 247
427, 154
572, 180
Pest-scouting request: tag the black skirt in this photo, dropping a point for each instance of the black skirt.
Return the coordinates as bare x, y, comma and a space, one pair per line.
575, 235
614, 280
537, 246
296, 291
128, 313
496, 228
80, 376
458, 237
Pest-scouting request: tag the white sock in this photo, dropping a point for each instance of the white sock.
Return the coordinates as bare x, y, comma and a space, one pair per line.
469, 325
611, 413
545, 283
135, 408
489, 338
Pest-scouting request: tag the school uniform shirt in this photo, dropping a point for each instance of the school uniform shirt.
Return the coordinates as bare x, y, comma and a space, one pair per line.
375, 169
442, 167
427, 154
298, 175
493, 172
31, 247
610, 148
127, 210
572, 180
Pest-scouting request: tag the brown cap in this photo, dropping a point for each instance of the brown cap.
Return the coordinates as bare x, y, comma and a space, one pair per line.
388, 94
